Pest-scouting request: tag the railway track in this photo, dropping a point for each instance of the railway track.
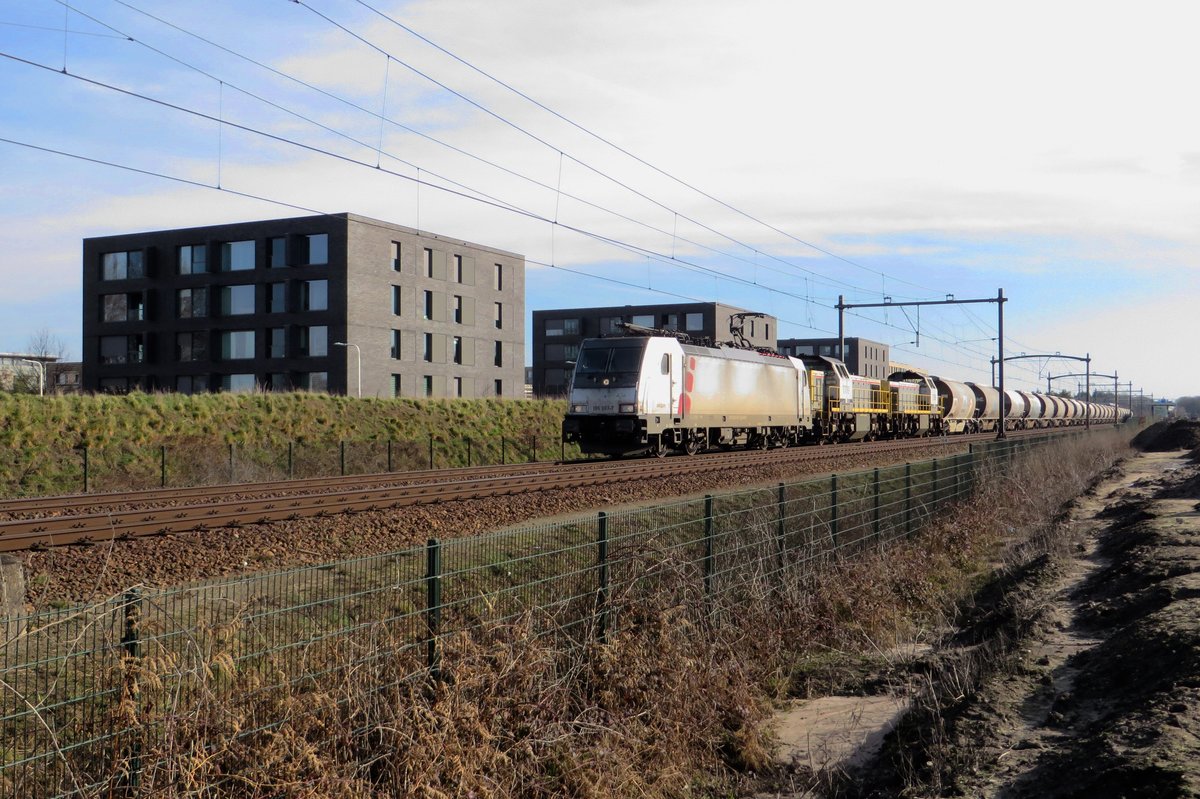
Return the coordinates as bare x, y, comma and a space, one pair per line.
84, 518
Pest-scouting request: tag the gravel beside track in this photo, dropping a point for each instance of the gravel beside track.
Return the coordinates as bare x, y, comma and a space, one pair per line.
74, 574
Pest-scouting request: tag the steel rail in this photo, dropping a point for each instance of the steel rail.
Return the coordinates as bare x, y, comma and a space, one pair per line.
349, 495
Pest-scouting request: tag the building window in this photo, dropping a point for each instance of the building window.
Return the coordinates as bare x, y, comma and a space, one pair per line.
318, 248
396, 344
237, 300
427, 257
562, 352
237, 256
276, 297
694, 321
457, 386
562, 327
191, 347
428, 304
396, 256
240, 383
498, 277
395, 385
428, 351
278, 251
427, 385
498, 358
456, 346
122, 265
610, 325
122, 308
314, 341
193, 259
114, 385
499, 315
458, 269
396, 300
458, 309
191, 303
237, 345
643, 320
121, 349
278, 381
191, 384
314, 295
314, 381
498, 387
276, 342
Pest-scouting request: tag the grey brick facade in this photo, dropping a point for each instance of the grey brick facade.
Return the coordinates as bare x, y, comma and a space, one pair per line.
270, 304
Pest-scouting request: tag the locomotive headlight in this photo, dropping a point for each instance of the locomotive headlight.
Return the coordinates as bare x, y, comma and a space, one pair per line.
627, 407
578, 408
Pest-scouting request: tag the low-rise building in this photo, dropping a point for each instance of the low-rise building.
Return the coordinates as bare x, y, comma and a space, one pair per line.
862, 356
557, 333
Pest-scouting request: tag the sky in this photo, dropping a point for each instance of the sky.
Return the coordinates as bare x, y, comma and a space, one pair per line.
770, 155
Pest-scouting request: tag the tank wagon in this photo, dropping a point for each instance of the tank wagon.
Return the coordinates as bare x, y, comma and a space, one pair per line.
657, 392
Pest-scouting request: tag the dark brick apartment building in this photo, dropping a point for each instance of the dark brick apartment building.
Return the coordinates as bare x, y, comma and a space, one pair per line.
337, 303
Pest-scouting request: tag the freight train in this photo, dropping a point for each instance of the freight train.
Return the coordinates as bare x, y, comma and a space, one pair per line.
656, 392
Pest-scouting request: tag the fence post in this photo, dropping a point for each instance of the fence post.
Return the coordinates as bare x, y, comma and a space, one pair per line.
908, 499
562, 453
468, 453
708, 550
431, 450
602, 562
833, 510
957, 477
781, 528
533, 454
936, 485
503, 455
389, 443
85, 469
291, 460
433, 606
876, 503
231, 461
342, 456
162, 465
131, 645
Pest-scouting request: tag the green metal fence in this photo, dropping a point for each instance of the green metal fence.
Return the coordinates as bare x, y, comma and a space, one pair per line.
87, 694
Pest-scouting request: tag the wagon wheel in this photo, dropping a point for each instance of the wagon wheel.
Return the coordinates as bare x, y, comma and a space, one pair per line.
693, 443
659, 447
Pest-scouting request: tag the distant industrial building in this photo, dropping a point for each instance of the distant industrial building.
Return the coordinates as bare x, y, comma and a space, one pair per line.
334, 303
862, 357
558, 333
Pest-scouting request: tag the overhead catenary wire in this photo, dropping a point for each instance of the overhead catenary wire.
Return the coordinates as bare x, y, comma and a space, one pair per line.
383, 120
807, 298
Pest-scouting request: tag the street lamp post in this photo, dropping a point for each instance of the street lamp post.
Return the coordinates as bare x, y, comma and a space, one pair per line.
41, 367
357, 360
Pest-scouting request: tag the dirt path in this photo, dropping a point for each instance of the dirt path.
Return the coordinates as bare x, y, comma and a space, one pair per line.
1078, 676
1098, 694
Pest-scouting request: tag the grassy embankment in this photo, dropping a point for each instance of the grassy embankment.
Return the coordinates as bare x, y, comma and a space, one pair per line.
675, 703
42, 438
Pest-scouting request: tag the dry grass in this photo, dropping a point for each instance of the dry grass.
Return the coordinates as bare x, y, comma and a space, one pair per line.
674, 703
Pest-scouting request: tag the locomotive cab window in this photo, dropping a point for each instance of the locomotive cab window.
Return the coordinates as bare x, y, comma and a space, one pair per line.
666, 363
609, 363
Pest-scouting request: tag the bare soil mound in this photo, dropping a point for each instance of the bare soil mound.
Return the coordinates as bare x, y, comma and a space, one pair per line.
1077, 677
1168, 436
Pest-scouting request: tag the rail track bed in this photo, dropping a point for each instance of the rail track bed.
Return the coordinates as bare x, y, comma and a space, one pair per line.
81, 546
